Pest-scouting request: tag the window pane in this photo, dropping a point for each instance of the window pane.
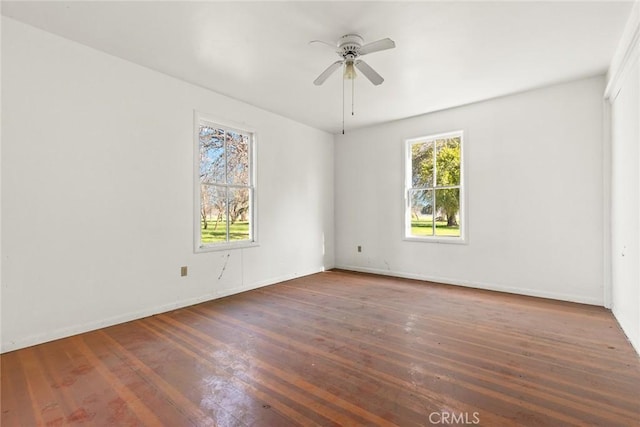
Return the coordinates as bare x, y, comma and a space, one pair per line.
448, 212
212, 162
421, 212
237, 158
448, 161
422, 164
213, 214
239, 214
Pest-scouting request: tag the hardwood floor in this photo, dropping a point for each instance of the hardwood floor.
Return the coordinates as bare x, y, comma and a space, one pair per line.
337, 348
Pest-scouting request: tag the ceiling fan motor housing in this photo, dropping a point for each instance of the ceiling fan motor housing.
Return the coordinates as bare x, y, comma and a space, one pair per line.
349, 46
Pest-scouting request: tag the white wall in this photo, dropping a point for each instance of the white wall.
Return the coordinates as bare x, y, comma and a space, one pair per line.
623, 90
534, 185
97, 192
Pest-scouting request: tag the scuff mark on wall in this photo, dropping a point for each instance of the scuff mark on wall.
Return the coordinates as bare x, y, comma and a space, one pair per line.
224, 266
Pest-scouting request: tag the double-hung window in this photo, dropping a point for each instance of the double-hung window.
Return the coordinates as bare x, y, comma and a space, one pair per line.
225, 190
434, 201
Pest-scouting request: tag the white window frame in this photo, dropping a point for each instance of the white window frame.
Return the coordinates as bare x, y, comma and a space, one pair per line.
406, 226
209, 120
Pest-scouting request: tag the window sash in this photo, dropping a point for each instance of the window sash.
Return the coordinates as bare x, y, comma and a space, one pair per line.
227, 213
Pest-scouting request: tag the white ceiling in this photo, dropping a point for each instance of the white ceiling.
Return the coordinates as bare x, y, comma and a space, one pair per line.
447, 54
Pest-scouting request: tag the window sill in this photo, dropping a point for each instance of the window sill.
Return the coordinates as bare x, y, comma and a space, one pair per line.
225, 247
445, 240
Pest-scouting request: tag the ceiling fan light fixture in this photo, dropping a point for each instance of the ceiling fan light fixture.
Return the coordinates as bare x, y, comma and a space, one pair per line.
349, 71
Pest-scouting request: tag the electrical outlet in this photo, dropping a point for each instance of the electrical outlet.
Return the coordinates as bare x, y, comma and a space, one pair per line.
359, 248
183, 271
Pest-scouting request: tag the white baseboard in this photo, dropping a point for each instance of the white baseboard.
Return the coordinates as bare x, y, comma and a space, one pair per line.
115, 320
102, 323
78, 329
478, 285
272, 281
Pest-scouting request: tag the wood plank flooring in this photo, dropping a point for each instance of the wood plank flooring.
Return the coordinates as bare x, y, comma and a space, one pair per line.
337, 349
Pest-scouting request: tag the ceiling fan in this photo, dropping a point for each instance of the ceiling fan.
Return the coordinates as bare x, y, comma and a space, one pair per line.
350, 48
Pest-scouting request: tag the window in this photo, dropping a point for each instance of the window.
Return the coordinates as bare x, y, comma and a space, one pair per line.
434, 188
224, 186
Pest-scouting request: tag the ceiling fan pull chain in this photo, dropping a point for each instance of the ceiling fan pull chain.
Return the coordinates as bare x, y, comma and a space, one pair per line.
343, 106
353, 92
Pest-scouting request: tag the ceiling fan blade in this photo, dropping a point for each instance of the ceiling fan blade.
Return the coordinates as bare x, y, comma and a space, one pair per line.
326, 73
369, 72
376, 46
332, 46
